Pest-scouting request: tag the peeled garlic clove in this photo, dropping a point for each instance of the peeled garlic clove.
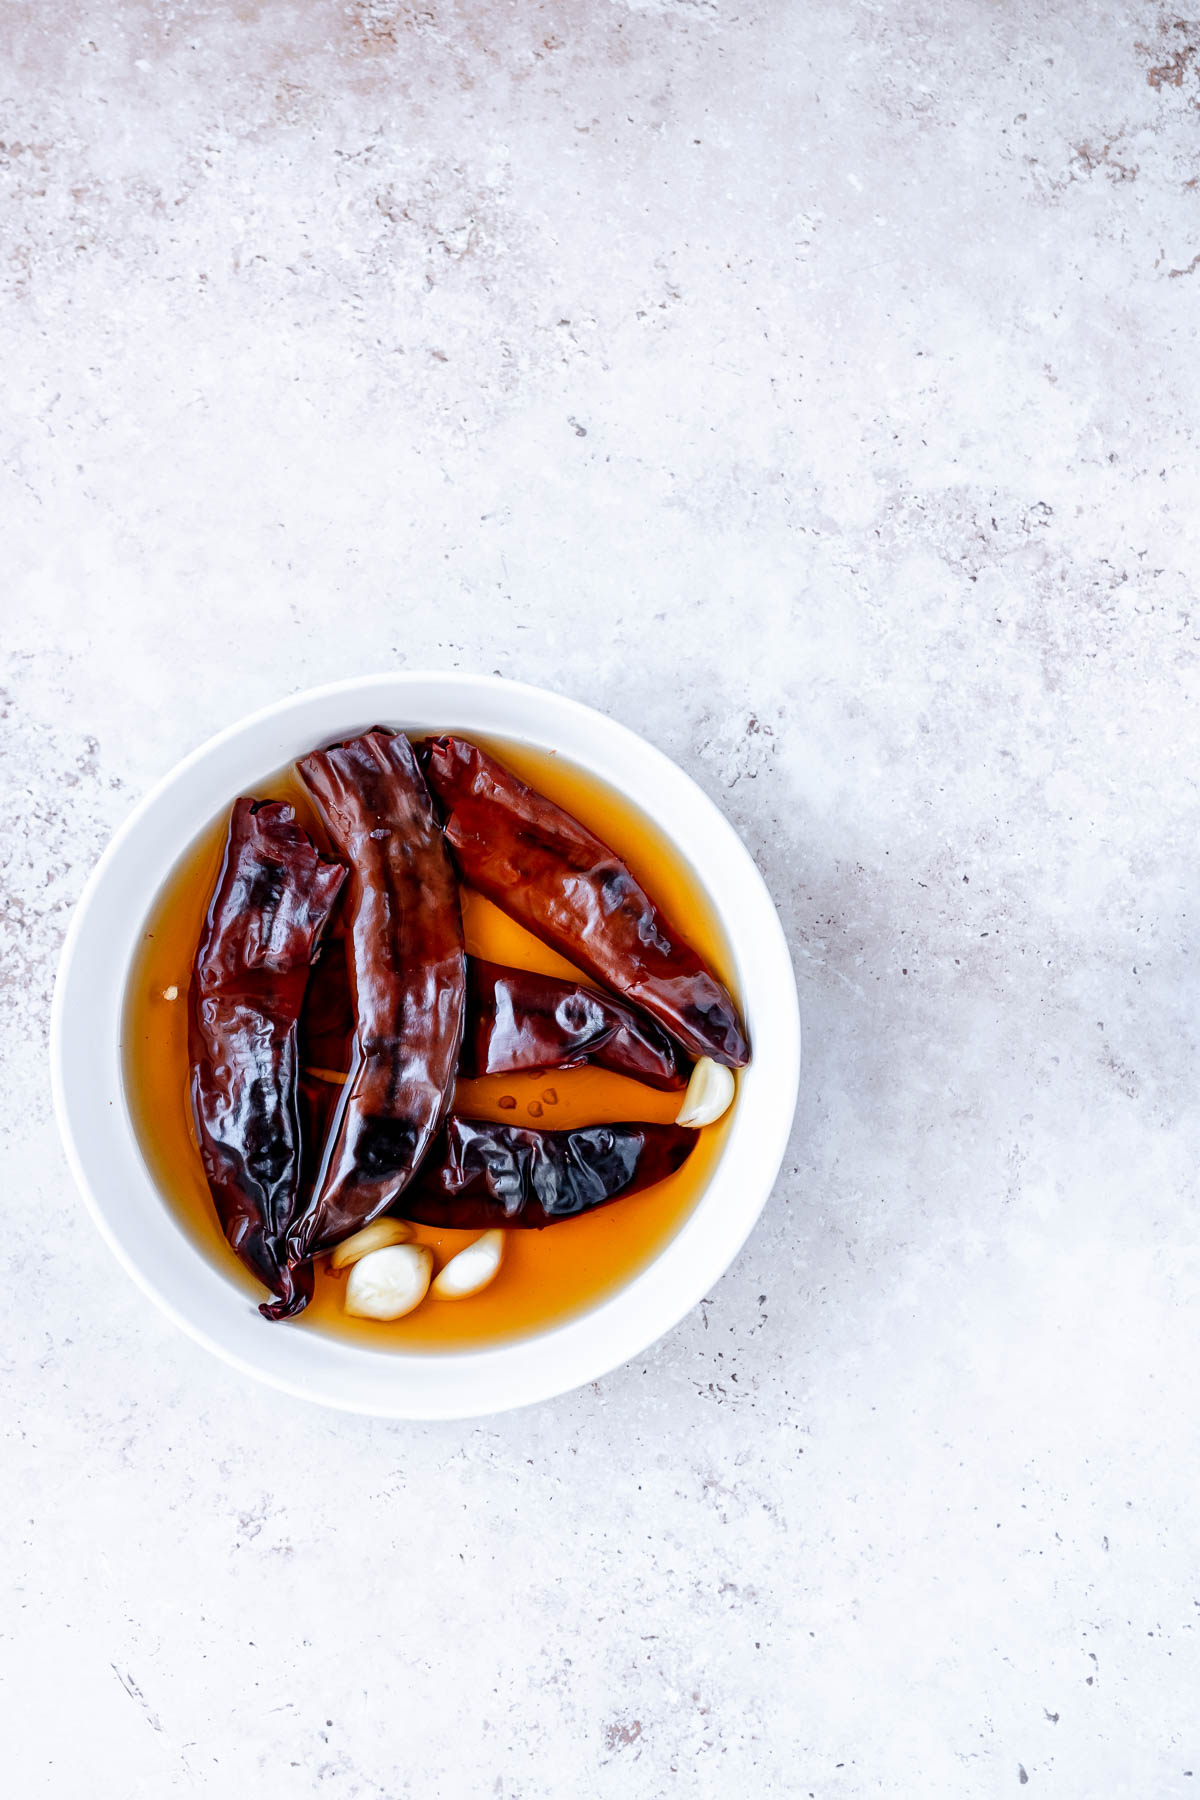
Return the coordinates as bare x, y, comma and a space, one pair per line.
709, 1094
376, 1236
387, 1283
472, 1268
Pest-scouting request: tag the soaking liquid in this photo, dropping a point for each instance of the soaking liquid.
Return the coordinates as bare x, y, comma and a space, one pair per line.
547, 1276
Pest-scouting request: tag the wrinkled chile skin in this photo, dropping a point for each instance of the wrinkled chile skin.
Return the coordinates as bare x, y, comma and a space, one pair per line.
271, 902
547, 871
520, 1021
327, 1021
407, 974
481, 1175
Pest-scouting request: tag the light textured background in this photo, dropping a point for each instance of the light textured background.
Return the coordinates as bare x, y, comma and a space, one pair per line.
814, 388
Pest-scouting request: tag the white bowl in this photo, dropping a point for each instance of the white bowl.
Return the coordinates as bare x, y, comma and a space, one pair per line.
141, 1228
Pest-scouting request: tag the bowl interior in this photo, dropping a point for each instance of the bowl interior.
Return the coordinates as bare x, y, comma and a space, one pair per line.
141, 1227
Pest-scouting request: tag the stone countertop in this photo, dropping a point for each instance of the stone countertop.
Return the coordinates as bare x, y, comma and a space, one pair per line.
813, 388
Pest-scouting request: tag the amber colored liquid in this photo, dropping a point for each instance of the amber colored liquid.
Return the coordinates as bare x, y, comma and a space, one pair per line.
547, 1276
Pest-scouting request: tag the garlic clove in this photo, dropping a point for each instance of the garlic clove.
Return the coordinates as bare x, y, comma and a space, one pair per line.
376, 1236
472, 1269
387, 1283
709, 1094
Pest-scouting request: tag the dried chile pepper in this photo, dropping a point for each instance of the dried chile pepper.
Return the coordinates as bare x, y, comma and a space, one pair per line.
407, 972
480, 1175
318, 1100
272, 900
519, 1020
547, 871
516, 1021
327, 1019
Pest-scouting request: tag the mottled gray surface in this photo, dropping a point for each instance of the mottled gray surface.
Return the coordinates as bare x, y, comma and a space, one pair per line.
814, 388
